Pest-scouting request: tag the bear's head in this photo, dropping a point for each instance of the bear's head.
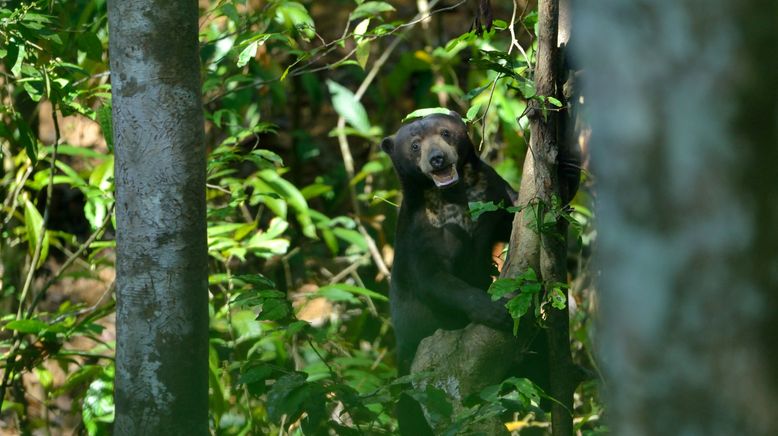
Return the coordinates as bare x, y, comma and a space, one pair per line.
430, 149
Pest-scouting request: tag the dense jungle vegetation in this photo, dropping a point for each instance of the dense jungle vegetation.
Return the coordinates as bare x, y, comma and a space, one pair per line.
302, 207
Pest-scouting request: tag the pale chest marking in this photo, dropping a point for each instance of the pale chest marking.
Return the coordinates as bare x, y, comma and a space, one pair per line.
440, 213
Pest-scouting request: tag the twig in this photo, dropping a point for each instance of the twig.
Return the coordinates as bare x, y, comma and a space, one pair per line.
108, 290
11, 201
348, 270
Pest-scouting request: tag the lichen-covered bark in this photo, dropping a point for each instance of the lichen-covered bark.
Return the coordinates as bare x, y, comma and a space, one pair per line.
464, 362
162, 312
681, 98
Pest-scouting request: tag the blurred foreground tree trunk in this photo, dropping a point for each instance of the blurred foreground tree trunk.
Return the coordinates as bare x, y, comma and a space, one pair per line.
162, 300
682, 101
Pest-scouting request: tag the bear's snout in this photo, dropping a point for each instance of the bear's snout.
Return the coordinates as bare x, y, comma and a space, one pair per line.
437, 160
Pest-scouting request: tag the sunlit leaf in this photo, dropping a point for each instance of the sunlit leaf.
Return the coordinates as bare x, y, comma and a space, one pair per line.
343, 291
34, 222
347, 106
472, 113
98, 407
370, 9
247, 54
421, 113
554, 101
363, 44
26, 325
294, 197
16, 69
295, 16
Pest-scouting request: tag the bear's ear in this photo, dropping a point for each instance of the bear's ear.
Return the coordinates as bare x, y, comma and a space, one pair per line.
387, 145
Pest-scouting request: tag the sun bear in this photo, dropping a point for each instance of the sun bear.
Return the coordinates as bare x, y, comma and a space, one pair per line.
443, 261
443, 257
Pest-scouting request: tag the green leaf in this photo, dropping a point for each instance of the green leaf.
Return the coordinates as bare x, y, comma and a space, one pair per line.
436, 403
421, 113
247, 54
502, 287
526, 87
26, 325
347, 106
472, 113
343, 291
314, 190
269, 156
90, 44
98, 408
554, 101
256, 373
529, 275
105, 120
294, 16
335, 294
16, 70
281, 400
370, 167
353, 237
557, 298
27, 138
274, 310
45, 377
370, 9
258, 281
478, 208
363, 44
294, 197
519, 305
34, 222
476, 91
78, 378
531, 19
460, 41
486, 64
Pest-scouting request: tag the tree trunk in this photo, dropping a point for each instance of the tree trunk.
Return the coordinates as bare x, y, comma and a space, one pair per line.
162, 295
545, 253
682, 105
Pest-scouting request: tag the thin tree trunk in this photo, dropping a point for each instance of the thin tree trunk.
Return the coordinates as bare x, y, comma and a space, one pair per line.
162, 300
546, 252
682, 99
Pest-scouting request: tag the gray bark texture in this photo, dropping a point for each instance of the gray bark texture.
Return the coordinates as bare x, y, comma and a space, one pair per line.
681, 98
464, 362
162, 294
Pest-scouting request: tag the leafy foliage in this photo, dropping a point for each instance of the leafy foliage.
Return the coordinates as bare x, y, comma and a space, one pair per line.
299, 334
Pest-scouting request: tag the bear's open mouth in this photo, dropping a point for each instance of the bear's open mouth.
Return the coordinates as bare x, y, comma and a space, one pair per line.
445, 177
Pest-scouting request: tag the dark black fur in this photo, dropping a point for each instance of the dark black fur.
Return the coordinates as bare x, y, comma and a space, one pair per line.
443, 259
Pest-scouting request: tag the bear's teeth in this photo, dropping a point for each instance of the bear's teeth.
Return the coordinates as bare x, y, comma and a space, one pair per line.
445, 177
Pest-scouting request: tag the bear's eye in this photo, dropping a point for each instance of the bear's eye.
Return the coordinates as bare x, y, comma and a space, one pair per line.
445, 133
415, 146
